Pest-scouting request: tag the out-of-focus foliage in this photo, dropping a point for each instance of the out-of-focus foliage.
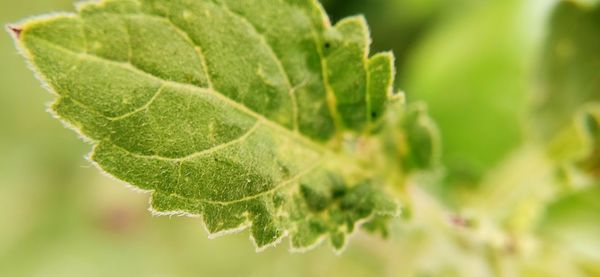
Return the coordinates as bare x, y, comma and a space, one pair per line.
568, 114
471, 71
570, 66
590, 162
568, 92
479, 65
572, 221
397, 25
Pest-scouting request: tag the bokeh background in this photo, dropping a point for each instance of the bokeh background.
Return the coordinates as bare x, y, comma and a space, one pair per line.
477, 65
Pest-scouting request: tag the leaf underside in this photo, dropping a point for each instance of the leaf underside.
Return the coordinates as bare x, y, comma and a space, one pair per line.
225, 109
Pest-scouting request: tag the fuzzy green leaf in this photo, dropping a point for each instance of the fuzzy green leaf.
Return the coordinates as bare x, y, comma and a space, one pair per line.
236, 111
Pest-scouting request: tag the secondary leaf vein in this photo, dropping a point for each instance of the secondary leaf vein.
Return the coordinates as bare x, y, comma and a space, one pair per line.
276, 58
279, 186
208, 91
191, 156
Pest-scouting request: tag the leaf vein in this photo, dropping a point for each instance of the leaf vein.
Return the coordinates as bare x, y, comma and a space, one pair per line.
279, 186
191, 156
330, 95
208, 91
140, 109
197, 49
277, 59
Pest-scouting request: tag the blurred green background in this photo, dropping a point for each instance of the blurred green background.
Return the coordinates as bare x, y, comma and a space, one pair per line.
476, 63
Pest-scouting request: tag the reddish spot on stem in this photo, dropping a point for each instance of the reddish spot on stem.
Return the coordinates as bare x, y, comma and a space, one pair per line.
15, 30
511, 247
460, 221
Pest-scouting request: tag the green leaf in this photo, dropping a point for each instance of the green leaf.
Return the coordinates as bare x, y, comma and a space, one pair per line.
235, 111
568, 109
411, 140
421, 139
579, 144
590, 162
570, 71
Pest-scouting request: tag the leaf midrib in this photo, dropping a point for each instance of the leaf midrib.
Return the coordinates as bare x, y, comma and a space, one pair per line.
201, 57
330, 98
213, 92
277, 187
294, 134
260, 120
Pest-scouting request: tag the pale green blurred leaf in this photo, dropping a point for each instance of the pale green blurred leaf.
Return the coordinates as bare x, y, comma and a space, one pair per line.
470, 70
570, 68
574, 222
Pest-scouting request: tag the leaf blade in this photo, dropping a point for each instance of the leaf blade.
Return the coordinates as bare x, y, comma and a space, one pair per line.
221, 137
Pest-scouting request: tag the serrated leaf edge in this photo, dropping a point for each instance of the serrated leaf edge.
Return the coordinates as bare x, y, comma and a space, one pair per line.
246, 224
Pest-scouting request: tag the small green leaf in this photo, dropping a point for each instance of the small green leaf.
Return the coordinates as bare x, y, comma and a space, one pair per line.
578, 144
411, 142
422, 139
231, 110
590, 161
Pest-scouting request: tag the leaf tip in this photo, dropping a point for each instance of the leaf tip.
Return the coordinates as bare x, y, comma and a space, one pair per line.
15, 31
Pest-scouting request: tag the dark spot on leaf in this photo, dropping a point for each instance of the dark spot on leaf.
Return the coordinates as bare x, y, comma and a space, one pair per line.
327, 45
15, 30
373, 114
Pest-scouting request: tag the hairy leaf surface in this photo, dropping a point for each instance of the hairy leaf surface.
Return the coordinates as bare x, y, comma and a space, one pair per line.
237, 111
